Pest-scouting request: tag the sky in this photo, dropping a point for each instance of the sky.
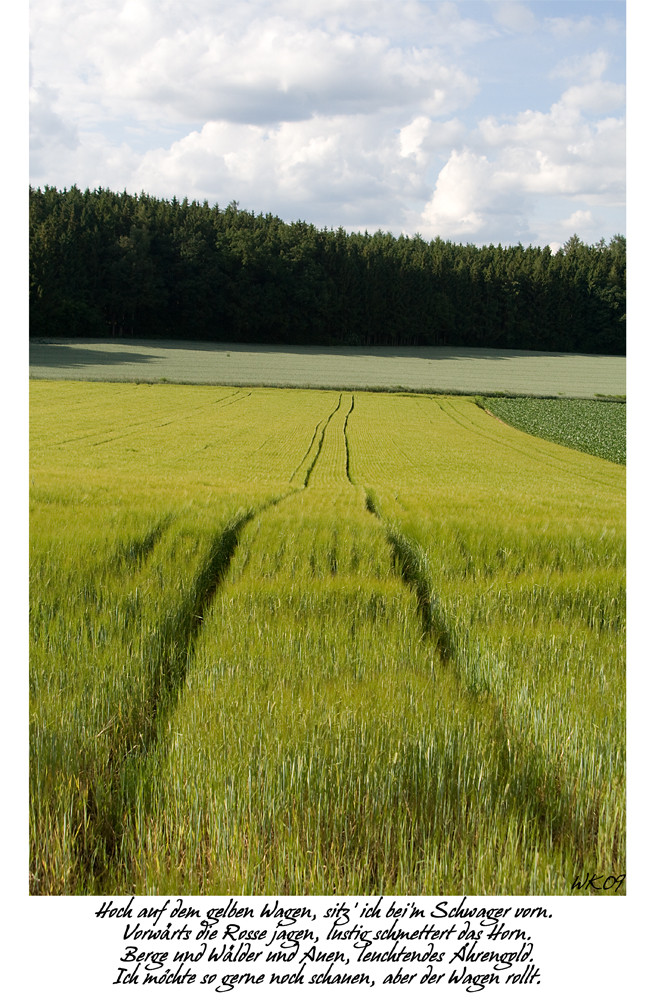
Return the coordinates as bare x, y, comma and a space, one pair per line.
482, 122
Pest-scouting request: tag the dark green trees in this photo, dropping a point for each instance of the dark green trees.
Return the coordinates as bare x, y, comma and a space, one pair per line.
118, 265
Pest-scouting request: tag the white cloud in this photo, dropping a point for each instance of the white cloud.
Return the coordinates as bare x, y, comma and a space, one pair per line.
321, 162
412, 136
268, 69
587, 66
559, 152
467, 191
597, 97
514, 16
565, 27
423, 137
496, 181
578, 221
46, 124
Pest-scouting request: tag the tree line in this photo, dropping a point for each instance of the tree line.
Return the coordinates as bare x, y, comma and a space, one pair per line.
108, 264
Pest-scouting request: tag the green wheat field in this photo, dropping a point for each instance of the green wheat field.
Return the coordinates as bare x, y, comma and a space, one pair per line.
294, 642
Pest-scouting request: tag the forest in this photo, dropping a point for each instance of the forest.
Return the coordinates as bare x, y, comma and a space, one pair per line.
108, 264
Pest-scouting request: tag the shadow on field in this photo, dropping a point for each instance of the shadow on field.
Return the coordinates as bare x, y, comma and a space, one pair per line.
74, 356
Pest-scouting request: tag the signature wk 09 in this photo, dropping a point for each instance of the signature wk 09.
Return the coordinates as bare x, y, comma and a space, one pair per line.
602, 883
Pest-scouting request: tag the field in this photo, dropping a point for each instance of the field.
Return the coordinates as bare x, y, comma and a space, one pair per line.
319, 642
418, 369
595, 426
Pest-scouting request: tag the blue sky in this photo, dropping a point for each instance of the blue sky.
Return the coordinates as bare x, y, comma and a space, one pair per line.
474, 121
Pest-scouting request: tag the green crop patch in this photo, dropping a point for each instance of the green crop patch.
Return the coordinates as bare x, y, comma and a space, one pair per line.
595, 426
315, 642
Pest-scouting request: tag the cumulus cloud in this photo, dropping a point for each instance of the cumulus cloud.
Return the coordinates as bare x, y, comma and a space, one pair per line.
266, 70
559, 153
412, 136
462, 194
423, 136
470, 196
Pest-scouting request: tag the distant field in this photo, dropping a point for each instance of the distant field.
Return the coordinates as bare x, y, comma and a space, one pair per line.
319, 642
428, 369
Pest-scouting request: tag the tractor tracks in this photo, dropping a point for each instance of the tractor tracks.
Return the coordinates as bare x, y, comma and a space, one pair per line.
106, 807
528, 782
